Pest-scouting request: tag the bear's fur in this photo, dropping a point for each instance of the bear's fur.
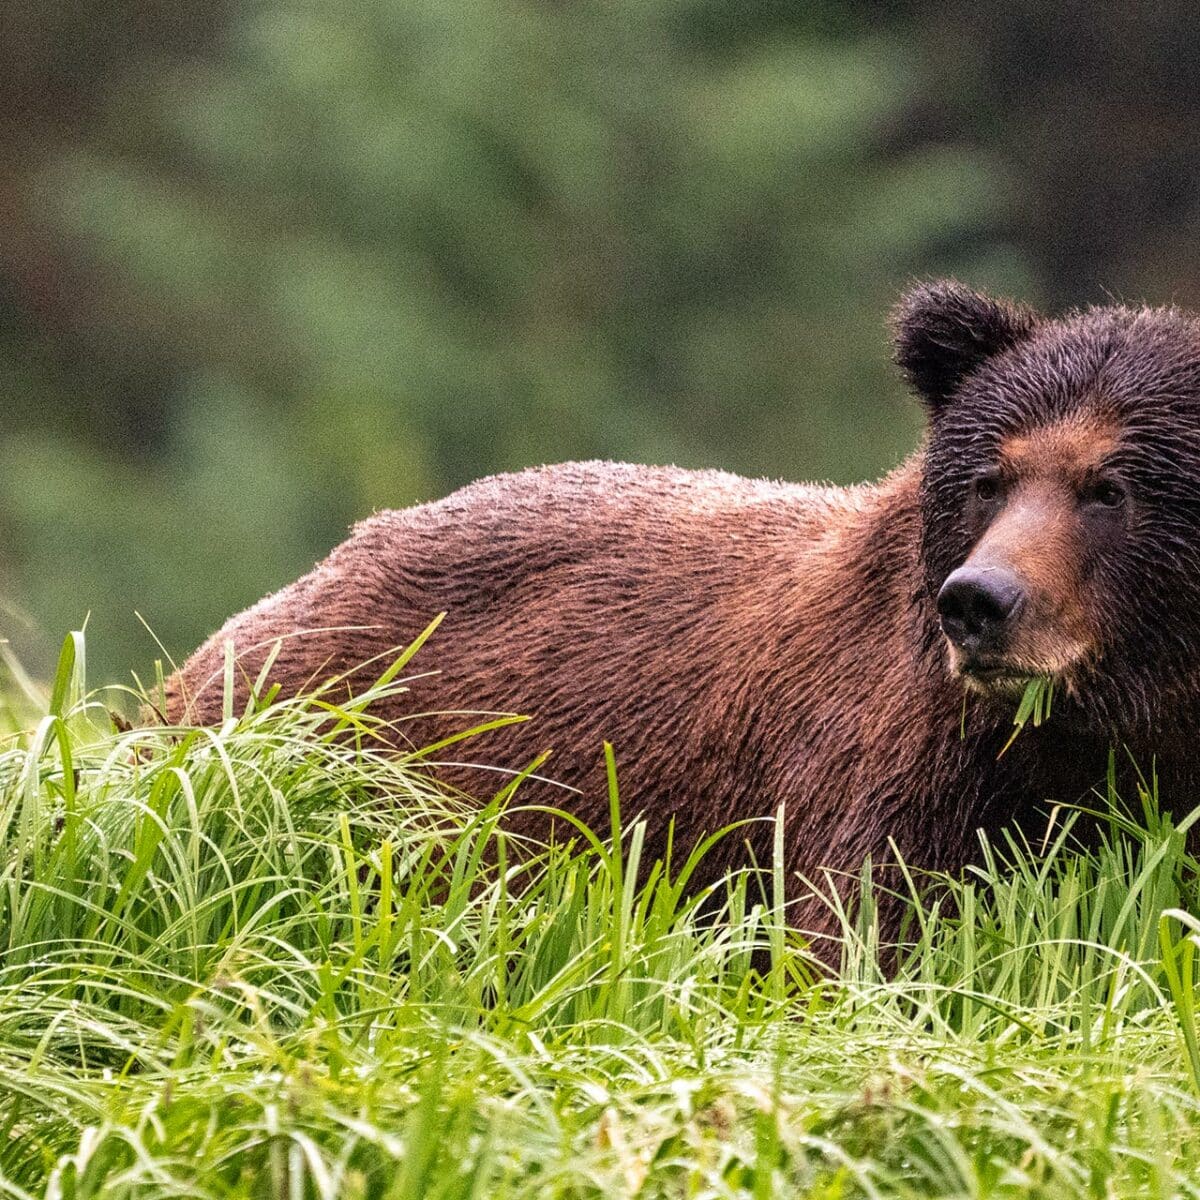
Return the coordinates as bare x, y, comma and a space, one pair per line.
745, 643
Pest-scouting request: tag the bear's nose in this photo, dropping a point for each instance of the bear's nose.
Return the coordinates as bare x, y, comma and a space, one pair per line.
976, 605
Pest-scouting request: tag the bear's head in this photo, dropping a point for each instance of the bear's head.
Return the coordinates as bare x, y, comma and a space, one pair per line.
1061, 499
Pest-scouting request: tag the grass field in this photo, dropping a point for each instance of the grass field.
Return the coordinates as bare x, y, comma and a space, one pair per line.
270, 961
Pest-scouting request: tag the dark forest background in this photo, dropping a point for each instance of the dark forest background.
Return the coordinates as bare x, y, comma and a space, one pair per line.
265, 267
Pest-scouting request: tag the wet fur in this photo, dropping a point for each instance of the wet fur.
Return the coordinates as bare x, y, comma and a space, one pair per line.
745, 643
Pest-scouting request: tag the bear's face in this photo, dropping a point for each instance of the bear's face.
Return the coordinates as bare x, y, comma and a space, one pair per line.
1061, 499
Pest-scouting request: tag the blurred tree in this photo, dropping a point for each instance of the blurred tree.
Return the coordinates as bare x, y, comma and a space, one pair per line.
1089, 107
58, 66
365, 254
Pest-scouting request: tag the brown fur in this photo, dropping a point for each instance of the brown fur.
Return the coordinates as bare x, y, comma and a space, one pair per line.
745, 644
686, 617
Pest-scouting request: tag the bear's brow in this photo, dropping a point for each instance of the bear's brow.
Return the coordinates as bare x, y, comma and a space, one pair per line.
1077, 445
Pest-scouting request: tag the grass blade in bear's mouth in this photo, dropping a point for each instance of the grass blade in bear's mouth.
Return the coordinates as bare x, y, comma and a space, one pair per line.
1034, 707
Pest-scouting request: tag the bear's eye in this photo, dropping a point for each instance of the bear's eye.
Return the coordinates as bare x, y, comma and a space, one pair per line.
1105, 493
987, 488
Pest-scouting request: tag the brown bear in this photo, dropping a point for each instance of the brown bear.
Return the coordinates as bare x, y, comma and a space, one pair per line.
853, 652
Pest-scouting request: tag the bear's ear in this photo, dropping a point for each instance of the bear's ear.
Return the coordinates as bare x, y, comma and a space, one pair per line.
944, 331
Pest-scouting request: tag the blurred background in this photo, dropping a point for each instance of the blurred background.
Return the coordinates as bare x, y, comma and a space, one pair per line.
267, 266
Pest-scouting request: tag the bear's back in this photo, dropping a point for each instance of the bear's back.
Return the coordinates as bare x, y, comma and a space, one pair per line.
591, 521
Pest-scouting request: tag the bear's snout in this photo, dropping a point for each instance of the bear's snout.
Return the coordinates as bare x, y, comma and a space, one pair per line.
977, 606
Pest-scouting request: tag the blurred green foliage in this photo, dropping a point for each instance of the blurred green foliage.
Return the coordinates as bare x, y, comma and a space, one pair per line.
278, 264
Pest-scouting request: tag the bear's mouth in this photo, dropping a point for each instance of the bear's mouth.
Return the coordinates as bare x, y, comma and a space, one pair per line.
996, 678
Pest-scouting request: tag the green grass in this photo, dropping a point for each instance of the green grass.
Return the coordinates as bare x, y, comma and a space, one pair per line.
268, 960
1033, 707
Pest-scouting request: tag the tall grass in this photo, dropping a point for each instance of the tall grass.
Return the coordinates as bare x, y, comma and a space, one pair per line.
271, 959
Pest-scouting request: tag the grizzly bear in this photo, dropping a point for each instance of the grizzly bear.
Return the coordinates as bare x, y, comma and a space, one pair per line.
853, 653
